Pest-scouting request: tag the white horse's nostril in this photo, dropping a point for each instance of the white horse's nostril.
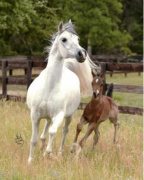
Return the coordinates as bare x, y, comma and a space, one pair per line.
79, 53
81, 56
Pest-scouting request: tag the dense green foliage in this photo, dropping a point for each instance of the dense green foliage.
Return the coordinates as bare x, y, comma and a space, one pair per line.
110, 26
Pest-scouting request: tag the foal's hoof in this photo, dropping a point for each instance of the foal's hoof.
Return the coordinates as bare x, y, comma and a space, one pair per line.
118, 145
73, 148
43, 146
60, 153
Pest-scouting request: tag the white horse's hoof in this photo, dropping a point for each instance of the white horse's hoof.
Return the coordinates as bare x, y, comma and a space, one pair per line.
47, 154
30, 160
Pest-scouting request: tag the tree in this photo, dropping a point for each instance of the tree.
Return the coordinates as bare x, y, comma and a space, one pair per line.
25, 25
108, 26
42, 26
98, 21
14, 17
132, 21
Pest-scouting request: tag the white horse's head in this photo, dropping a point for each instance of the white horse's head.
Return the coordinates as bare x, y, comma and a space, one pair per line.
66, 41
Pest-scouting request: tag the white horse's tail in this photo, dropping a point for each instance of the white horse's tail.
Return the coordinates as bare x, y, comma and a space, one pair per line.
83, 71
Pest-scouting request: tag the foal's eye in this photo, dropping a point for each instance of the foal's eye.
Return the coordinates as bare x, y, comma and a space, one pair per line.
64, 40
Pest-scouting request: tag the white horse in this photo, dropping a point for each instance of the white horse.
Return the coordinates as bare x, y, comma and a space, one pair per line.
55, 93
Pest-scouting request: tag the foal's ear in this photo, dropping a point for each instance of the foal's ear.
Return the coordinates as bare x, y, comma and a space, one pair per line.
102, 74
60, 26
94, 73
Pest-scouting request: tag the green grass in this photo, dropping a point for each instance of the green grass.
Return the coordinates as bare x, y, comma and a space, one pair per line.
124, 99
131, 79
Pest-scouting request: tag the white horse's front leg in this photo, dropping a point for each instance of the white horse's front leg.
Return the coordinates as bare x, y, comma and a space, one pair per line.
52, 131
65, 131
34, 138
43, 135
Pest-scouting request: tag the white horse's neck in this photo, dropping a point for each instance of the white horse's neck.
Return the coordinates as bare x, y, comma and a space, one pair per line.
54, 67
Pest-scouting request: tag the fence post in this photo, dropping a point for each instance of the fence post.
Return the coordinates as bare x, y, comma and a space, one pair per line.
29, 72
25, 71
10, 72
111, 74
4, 78
103, 66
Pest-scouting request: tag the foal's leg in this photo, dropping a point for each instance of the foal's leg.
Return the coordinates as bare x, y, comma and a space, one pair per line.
34, 138
78, 130
65, 131
91, 127
116, 125
52, 131
96, 136
43, 135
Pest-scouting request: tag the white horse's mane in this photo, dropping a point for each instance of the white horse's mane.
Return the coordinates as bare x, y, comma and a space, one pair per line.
83, 71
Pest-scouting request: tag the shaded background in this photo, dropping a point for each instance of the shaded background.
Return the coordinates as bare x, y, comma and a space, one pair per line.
105, 26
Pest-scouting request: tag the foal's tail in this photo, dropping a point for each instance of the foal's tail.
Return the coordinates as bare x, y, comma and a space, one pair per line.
83, 71
110, 90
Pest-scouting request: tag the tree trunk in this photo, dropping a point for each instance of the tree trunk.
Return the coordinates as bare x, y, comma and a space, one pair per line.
89, 48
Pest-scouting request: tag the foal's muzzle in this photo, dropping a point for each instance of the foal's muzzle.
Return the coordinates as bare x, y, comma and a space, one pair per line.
95, 95
81, 55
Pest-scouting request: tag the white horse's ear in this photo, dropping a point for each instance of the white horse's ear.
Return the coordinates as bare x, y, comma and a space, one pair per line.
70, 21
60, 26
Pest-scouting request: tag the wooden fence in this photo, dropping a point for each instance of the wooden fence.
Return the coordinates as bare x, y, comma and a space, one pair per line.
119, 59
38, 62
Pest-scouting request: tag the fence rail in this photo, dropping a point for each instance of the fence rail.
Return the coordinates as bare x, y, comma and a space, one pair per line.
122, 109
33, 62
127, 88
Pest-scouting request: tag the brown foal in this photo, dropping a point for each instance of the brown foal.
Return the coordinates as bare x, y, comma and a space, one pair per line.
97, 110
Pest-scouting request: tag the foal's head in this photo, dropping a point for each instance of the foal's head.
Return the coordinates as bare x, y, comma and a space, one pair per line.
66, 41
97, 84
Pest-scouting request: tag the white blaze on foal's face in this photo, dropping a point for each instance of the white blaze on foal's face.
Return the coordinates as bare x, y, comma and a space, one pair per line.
96, 80
97, 92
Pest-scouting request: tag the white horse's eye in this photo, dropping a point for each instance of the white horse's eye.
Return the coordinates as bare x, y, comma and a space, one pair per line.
64, 40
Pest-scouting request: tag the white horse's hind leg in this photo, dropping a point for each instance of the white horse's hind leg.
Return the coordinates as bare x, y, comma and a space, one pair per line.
52, 131
43, 135
34, 138
65, 131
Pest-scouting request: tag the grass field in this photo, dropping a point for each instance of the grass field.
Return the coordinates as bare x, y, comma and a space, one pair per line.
107, 162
